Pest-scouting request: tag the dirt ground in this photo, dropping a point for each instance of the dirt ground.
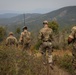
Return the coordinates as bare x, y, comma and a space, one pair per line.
58, 52
62, 52
57, 70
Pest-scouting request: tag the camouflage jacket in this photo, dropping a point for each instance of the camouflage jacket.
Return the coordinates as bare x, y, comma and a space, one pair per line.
11, 40
73, 34
45, 34
25, 37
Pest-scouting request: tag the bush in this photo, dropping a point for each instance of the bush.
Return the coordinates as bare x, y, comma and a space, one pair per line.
7, 61
2, 33
64, 62
17, 62
37, 45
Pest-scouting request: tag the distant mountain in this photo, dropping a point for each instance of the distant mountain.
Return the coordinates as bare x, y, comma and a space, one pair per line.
18, 19
64, 16
8, 15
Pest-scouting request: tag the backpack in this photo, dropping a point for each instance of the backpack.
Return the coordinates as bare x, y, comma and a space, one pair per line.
11, 41
47, 35
26, 37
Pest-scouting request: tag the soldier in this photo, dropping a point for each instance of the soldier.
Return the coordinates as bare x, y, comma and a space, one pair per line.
72, 39
45, 35
25, 38
11, 40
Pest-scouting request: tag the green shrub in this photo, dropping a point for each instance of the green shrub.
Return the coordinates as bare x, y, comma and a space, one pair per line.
37, 45
64, 62
2, 33
18, 62
7, 61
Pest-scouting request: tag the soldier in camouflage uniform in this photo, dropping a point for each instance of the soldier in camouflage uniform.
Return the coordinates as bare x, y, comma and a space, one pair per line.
72, 39
11, 40
25, 38
45, 35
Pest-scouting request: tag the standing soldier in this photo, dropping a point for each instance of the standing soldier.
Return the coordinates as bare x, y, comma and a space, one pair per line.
25, 38
45, 35
11, 40
72, 39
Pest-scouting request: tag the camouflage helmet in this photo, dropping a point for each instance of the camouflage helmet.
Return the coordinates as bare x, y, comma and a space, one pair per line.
24, 27
45, 22
10, 33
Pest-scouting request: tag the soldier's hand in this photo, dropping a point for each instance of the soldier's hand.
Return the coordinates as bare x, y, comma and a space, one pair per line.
16, 45
6, 44
70, 40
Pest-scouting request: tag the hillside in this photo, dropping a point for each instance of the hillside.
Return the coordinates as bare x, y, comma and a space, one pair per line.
64, 16
8, 15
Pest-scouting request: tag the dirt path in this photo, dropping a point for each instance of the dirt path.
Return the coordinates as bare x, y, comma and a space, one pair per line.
57, 71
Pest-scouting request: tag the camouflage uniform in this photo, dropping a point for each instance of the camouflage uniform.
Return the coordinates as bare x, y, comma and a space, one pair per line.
25, 39
11, 40
73, 37
45, 35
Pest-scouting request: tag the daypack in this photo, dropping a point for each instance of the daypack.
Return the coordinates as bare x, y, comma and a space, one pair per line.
11, 41
26, 37
46, 35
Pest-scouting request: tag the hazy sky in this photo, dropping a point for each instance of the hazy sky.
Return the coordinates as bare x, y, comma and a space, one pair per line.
33, 6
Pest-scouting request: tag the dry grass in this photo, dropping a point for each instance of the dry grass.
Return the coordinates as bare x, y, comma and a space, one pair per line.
62, 52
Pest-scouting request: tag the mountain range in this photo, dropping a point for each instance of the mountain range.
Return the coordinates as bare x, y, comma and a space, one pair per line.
65, 16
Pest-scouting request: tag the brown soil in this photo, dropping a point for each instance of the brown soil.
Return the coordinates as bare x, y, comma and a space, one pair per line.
57, 70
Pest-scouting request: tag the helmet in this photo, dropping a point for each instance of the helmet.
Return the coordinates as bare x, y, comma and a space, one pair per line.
24, 27
45, 22
10, 33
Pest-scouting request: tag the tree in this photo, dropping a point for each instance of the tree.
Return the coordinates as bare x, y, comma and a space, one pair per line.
54, 25
2, 33
18, 30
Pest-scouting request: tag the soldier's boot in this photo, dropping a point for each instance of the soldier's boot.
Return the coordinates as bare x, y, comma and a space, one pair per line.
50, 61
44, 58
74, 70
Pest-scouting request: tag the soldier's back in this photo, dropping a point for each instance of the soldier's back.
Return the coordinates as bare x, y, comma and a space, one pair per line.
46, 32
26, 37
11, 40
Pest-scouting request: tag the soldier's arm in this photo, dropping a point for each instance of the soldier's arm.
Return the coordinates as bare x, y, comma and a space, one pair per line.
40, 37
51, 35
21, 37
16, 42
71, 36
7, 42
30, 35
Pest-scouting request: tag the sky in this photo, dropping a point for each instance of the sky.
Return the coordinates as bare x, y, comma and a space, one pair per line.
33, 6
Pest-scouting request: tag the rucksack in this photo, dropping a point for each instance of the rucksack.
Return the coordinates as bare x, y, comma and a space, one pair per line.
46, 35
26, 37
11, 41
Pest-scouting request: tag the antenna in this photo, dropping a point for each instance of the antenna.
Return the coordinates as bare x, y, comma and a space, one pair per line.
24, 18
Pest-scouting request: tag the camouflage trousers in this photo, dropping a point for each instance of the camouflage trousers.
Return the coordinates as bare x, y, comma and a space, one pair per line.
74, 56
26, 46
46, 46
